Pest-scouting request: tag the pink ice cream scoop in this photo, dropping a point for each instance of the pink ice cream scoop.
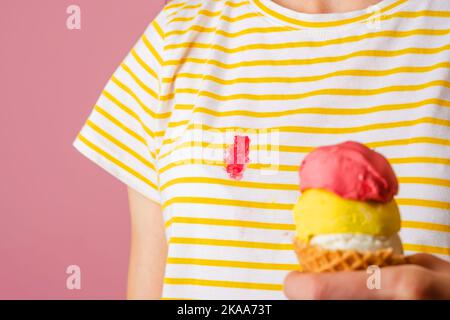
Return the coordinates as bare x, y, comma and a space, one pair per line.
351, 170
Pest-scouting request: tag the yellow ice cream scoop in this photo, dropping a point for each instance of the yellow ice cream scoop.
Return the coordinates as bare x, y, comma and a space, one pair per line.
319, 212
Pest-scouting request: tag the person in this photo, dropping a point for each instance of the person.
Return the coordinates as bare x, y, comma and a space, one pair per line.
208, 117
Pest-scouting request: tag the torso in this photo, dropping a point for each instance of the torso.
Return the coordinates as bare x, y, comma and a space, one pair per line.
293, 90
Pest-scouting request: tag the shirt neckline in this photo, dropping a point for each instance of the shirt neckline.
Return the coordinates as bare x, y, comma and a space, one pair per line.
300, 20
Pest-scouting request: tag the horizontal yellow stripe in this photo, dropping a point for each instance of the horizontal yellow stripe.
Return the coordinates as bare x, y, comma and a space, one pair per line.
183, 9
121, 145
183, 106
257, 265
117, 162
420, 160
237, 264
228, 202
315, 130
233, 264
305, 149
227, 34
178, 123
401, 142
276, 266
231, 243
287, 206
300, 44
220, 163
340, 73
236, 4
425, 180
292, 45
230, 223
223, 284
291, 168
425, 226
293, 62
173, 5
217, 146
297, 96
321, 110
417, 14
277, 226
203, 12
283, 186
426, 249
230, 182
424, 203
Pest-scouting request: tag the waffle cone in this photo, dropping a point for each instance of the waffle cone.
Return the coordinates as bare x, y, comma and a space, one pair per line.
316, 259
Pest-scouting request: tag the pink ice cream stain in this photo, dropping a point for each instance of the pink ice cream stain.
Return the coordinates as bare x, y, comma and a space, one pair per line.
236, 157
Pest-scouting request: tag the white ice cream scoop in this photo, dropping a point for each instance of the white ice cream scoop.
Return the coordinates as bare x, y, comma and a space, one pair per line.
358, 242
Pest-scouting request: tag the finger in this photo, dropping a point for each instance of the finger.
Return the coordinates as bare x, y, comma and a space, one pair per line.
396, 282
413, 282
430, 262
347, 285
441, 290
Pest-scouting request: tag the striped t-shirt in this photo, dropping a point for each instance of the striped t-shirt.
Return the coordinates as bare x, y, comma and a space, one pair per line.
212, 79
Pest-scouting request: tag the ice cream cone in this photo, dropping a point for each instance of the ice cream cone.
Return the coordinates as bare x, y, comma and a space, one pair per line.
347, 217
317, 259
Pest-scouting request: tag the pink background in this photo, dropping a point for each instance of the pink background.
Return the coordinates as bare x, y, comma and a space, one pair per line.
57, 208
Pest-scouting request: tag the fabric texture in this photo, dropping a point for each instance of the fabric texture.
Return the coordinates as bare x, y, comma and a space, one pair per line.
217, 104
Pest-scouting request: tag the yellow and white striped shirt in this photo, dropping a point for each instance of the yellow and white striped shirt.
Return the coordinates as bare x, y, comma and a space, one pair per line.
205, 71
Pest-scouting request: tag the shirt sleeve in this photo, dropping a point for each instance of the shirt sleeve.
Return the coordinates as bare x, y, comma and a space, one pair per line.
119, 134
